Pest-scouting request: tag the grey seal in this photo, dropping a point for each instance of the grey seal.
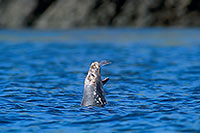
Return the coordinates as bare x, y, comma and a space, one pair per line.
93, 94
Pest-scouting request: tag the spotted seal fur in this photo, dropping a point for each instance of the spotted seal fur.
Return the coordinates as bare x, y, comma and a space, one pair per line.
93, 94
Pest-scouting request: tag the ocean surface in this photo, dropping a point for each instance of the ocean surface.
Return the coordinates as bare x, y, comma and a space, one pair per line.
154, 80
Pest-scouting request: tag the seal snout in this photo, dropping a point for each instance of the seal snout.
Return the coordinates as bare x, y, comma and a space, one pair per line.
95, 68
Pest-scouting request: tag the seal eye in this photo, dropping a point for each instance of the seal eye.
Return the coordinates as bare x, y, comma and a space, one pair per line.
92, 75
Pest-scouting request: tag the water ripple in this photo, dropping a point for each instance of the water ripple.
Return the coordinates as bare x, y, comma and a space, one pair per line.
151, 88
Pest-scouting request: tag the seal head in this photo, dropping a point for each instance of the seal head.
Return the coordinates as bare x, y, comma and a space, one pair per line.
93, 94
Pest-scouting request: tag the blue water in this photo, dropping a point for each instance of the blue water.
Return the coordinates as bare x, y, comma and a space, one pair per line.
154, 80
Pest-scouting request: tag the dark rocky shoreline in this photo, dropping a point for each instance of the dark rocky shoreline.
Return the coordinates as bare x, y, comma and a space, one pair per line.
63, 14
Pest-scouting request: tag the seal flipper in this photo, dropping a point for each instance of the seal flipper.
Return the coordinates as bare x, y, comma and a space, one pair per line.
104, 81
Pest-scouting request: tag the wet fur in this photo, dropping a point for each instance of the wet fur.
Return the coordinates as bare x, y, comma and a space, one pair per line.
93, 94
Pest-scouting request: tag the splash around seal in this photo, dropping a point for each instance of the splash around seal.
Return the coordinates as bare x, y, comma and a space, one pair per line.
94, 94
